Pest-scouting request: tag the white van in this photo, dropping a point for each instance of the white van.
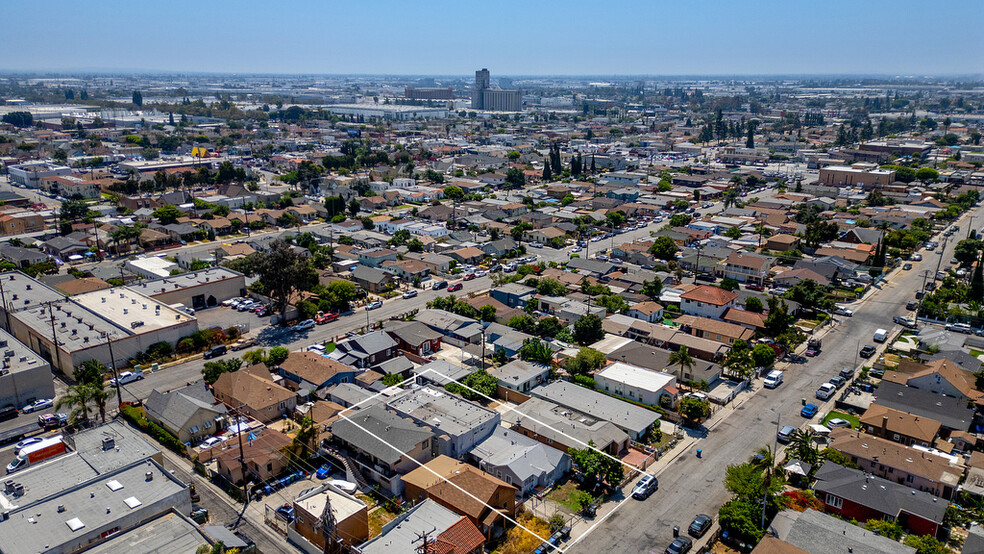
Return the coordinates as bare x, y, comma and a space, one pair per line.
773, 379
880, 335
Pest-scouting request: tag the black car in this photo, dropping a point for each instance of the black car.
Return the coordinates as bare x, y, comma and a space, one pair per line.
699, 525
911, 305
867, 351
680, 545
215, 351
8, 412
705, 277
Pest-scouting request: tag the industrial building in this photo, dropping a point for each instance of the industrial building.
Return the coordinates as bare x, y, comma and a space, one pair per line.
414, 93
484, 97
390, 112
199, 289
85, 323
24, 376
30, 174
111, 482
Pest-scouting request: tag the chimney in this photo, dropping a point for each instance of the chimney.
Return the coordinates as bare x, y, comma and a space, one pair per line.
885, 425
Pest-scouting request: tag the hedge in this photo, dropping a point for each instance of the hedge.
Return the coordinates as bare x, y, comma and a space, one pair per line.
135, 415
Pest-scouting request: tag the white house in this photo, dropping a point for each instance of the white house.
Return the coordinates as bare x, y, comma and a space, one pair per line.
636, 383
646, 311
707, 301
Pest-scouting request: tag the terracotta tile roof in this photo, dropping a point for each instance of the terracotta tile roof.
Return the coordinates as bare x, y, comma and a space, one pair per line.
744, 317
478, 484
895, 421
460, 538
647, 308
710, 295
713, 326
894, 455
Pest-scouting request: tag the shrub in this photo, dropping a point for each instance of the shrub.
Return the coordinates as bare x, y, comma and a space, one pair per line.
135, 415
585, 381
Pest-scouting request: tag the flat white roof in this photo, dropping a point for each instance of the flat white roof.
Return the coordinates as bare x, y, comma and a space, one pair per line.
130, 309
635, 376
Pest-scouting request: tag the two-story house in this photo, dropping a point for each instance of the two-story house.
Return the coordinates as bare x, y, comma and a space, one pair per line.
365, 351
307, 372
745, 268
707, 301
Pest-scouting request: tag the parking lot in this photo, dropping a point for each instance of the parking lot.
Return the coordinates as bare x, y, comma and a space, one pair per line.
221, 316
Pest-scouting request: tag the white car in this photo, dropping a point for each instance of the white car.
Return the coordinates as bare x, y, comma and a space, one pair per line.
303, 326
210, 442
127, 377
773, 379
38, 405
825, 391
840, 310
410, 294
536, 244
481, 273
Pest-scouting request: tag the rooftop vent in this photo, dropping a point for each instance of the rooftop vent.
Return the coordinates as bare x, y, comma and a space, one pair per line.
28, 287
125, 311
149, 476
61, 508
108, 443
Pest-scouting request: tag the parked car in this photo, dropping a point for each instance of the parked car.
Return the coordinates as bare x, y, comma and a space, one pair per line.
375, 304
786, 433
127, 377
867, 351
210, 442
303, 326
911, 305
959, 328
246, 306
812, 352
441, 285
26, 442
847, 373
52, 421
244, 342
841, 310
454, 287
837, 422
810, 410
837, 381
645, 487
410, 294
39, 404
8, 412
481, 273
700, 525
773, 379
907, 266
323, 317
905, 322
755, 287
680, 545
825, 391
215, 352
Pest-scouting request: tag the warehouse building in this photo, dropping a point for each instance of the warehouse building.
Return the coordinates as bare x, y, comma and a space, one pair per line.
24, 376
198, 290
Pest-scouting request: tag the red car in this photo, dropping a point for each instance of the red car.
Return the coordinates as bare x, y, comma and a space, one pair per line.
755, 287
454, 287
323, 318
469, 277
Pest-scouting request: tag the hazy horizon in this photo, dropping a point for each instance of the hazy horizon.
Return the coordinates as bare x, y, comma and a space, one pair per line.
632, 38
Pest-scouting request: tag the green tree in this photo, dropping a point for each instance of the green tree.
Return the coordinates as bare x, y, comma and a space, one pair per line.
454, 193
967, 250
392, 379
763, 355
168, 214
754, 304
663, 248
89, 372
741, 520
693, 408
652, 289
212, 370
340, 293
534, 350
595, 466
587, 361
778, 320
515, 179
277, 356
682, 358
925, 544
256, 356
733, 232
613, 303
100, 396
551, 287
79, 399
588, 330
487, 312
303, 444
811, 295
484, 384
354, 207
927, 174
885, 528
283, 273
729, 284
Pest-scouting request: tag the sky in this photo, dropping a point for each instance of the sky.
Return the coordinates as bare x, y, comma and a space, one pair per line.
531, 37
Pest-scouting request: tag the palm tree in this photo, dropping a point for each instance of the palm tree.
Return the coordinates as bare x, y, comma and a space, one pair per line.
763, 458
803, 446
100, 396
78, 398
683, 359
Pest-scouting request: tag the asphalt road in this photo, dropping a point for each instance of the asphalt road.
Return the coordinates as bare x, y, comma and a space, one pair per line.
691, 485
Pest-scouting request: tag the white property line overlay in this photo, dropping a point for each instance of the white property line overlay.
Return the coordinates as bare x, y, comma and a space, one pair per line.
510, 408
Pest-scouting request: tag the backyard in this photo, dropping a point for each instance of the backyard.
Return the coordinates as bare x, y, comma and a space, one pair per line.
835, 414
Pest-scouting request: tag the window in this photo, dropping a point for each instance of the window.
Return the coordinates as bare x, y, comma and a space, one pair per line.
834, 501
909, 479
207, 425
895, 437
269, 467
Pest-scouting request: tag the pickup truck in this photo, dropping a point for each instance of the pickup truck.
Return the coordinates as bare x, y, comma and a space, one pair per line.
127, 377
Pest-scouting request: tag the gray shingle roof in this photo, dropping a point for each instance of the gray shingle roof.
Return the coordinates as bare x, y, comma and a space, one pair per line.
876, 493
176, 407
378, 432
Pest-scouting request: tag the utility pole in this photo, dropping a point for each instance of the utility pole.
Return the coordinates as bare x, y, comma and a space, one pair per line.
424, 539
775, 445
6, 309
242, 455
54, 336
327, 525
116, 375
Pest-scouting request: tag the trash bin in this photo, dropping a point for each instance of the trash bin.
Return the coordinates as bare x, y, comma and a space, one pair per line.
676, 531
802, 402
699, 452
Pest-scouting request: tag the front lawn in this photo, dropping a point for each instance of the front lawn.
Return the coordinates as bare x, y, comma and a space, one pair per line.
570, 495
855, 421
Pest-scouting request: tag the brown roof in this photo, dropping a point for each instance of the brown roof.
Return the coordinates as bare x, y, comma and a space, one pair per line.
894, 455
435, 471
749, 261
745, 317
783, 239
772, 545
469, 252
313, 367
710, 295
237, 249
252, 390
460, 538
949, 371
648, 308
716, 327
266, 446
478, 484
803, 273
895, 421
85, 284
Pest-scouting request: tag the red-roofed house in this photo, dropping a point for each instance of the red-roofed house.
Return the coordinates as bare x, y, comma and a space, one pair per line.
707, 301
